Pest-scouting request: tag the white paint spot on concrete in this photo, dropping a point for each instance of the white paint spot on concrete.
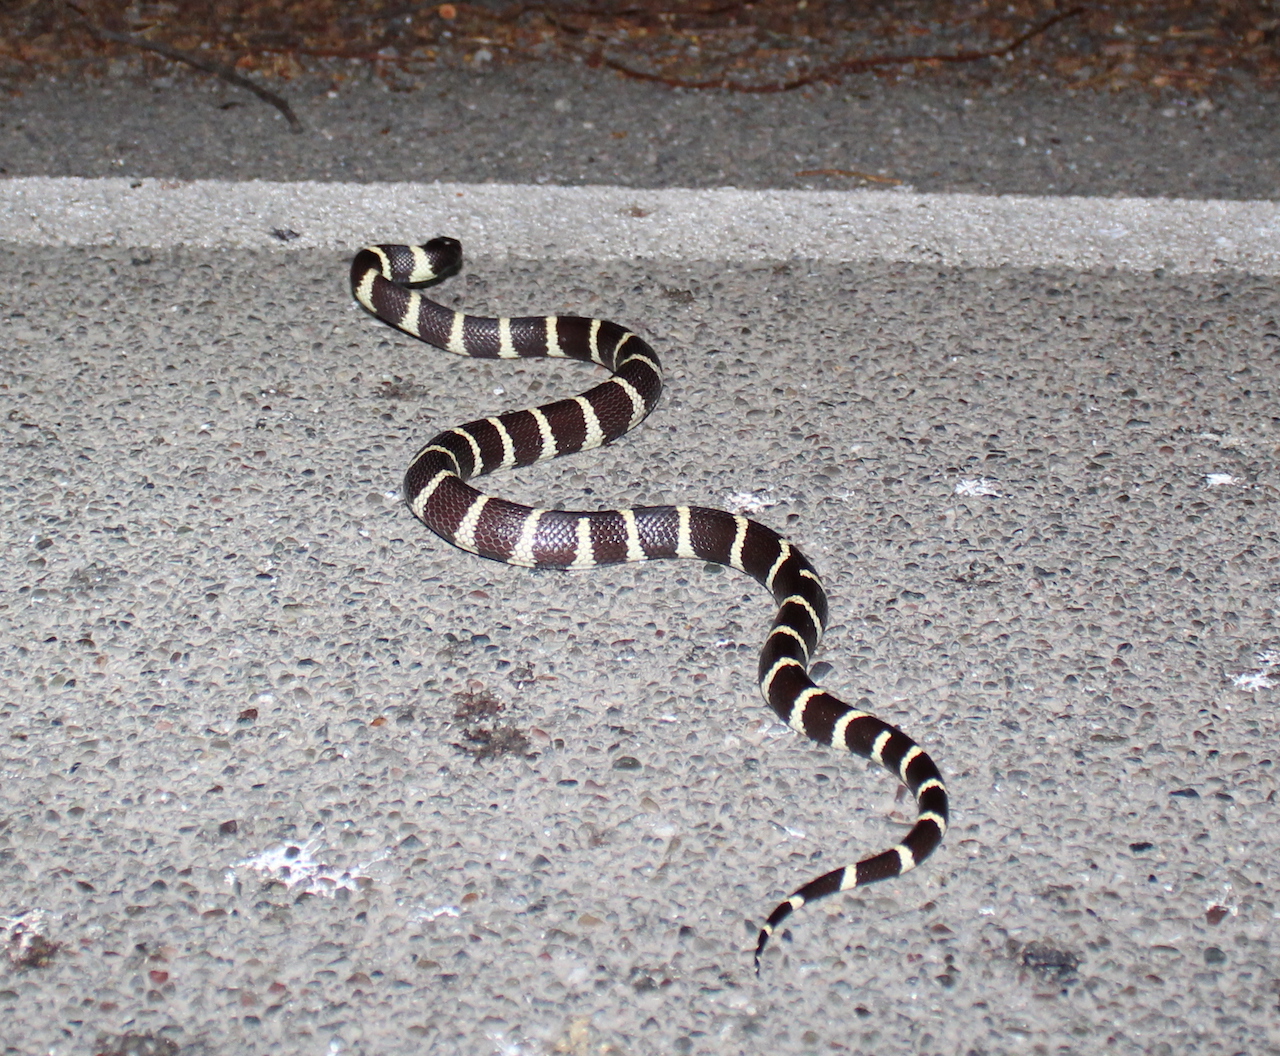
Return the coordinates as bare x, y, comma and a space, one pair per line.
1266, 676
751, 502
296, 866
25, 935
1225, 440
982, 486
440, 911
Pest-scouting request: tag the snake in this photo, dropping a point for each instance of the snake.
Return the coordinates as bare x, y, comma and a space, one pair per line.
386, 280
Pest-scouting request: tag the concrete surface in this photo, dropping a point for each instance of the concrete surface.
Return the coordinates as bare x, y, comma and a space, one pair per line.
1044, 504
618, 223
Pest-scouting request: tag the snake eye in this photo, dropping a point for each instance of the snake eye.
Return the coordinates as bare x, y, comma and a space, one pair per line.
445, 255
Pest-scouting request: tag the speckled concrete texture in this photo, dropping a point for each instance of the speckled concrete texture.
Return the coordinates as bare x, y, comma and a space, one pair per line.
247, 806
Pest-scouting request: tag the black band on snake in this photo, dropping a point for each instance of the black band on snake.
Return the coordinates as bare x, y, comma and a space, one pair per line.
435, 489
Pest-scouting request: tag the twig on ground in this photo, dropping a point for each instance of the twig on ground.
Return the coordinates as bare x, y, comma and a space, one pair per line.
836, 70
207, 65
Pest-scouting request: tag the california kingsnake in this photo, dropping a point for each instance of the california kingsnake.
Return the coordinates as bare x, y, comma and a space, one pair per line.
436, 492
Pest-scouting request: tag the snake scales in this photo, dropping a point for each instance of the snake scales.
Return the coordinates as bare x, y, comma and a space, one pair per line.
436, 490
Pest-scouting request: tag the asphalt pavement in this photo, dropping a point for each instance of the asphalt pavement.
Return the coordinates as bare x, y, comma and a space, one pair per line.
284, 773
569, 125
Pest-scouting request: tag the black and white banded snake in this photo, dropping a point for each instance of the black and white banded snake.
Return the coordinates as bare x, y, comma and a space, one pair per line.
435, 489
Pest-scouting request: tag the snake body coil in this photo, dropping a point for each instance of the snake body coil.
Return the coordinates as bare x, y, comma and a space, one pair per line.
436, 490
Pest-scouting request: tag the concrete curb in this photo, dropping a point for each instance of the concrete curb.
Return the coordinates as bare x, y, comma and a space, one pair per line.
603, 223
